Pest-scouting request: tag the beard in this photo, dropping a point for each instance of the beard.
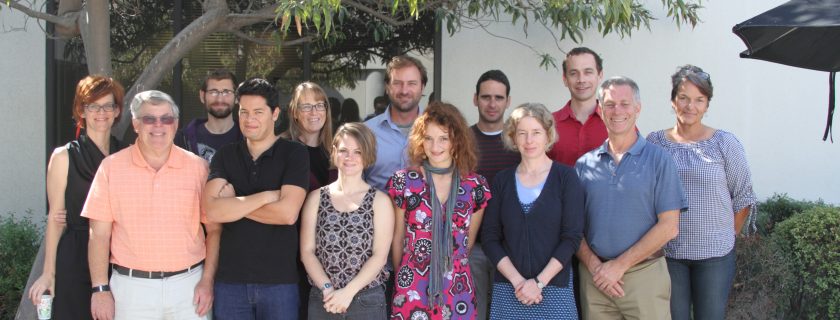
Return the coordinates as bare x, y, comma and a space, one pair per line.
220, 113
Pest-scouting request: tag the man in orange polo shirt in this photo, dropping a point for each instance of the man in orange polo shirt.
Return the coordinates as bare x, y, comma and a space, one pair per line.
146, 220
579, 126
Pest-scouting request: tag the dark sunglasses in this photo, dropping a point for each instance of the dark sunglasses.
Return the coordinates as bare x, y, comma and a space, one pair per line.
164, 120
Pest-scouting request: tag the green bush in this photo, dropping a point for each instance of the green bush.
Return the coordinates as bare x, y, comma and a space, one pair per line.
778, 208
762, 277
19, 241
811, 242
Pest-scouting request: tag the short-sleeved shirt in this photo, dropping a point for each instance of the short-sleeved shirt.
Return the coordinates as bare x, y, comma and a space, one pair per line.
391, 144
575, 138
253, 252
623, 201
492, 154
156, 215
717, 182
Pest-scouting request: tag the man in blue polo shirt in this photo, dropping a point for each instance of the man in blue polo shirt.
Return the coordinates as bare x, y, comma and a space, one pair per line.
633, 201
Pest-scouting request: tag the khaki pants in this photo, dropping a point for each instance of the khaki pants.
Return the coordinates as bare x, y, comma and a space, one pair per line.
647, 294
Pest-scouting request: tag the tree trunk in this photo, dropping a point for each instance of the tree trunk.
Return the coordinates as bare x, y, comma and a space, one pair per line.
95, 27
166, 58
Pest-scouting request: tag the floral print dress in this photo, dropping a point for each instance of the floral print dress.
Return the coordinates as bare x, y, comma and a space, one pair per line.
411, 298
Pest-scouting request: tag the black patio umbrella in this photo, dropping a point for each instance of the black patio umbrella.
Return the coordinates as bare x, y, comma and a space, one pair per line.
799, 33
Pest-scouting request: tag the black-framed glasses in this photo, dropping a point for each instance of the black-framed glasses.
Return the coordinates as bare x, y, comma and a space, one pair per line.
320, 106
108, 107
164, 120
223, 93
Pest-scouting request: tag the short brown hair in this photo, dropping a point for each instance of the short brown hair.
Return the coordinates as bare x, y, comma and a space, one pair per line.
92, 88
400, 62
364, 137
529, 109
448, 117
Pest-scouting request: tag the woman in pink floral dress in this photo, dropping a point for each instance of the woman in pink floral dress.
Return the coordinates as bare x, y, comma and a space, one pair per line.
439, 204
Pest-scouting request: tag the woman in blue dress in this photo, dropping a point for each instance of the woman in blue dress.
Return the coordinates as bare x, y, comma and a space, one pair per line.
534, 225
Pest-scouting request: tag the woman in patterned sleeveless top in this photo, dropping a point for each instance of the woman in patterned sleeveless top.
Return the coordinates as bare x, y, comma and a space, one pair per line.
346, 231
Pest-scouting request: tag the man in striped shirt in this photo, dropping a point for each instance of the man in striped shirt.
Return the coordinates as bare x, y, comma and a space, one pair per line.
492, 98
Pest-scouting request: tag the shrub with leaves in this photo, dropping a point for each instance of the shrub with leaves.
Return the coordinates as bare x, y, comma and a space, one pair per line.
811, 242
778, 208
19, 241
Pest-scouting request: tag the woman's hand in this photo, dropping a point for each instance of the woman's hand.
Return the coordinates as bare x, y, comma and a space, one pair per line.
338, 301
529, 293
44, 283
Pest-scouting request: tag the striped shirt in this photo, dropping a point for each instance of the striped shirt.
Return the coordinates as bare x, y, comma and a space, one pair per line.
492, 155
717, 182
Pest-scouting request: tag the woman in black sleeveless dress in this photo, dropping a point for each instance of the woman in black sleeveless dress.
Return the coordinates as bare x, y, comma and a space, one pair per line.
71, 169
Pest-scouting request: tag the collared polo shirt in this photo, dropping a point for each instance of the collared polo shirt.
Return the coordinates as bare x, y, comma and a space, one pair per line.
253, 252
623, 201
156, 215
575, 138
391, 146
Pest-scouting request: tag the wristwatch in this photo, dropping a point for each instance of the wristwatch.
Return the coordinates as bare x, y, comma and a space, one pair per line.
326, 286
101, 288
539, 284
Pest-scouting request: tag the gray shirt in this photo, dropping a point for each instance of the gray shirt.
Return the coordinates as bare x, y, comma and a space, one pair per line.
623, 201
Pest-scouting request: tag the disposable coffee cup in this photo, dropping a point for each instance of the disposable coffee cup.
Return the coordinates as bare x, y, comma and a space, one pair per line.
45, 306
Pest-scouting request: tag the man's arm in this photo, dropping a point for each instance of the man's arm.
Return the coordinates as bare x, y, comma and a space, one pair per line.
284, 211
663, 231
221, 207
99, 253
203, 295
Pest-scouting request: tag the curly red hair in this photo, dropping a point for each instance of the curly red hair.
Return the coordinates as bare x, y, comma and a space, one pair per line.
463, 143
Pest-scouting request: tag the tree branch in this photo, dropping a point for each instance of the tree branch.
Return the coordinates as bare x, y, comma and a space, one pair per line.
68, 21
264, 42
234, 21
387, 18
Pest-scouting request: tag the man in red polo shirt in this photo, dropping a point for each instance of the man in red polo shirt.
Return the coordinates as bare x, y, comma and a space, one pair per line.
579, 127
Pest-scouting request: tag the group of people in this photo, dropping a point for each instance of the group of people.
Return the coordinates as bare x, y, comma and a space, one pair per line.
538, 215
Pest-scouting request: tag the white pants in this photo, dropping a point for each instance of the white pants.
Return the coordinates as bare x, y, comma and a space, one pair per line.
170, 298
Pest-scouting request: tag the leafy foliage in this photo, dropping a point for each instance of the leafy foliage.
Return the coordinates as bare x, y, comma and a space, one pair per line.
778, 208
811, 242
19, 240
569, 18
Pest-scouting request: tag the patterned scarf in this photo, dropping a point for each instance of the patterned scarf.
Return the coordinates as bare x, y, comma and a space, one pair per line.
441, 230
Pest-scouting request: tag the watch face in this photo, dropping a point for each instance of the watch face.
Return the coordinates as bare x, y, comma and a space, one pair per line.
327, 285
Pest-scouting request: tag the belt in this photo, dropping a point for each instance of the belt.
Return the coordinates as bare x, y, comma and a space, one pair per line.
656, 255
134, 273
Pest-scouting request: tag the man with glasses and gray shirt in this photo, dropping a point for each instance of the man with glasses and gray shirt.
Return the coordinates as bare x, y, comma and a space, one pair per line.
205, 136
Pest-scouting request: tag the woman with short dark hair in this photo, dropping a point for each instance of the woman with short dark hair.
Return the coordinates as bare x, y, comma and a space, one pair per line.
716, 177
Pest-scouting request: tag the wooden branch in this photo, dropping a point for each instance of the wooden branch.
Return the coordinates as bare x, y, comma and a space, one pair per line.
264, 42
68, 21
234, 21
379, 15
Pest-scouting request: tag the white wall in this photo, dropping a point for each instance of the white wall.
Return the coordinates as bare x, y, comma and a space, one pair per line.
22, 101
778, 112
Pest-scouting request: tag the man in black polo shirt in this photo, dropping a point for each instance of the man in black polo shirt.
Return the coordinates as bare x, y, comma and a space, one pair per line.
256, 189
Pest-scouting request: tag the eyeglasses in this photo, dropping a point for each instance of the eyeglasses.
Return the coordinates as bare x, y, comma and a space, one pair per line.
164, 120
216, 93
108, 107
309, 107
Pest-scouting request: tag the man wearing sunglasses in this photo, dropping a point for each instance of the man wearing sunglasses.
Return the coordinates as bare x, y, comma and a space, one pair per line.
146, 220
256, 188
205, 136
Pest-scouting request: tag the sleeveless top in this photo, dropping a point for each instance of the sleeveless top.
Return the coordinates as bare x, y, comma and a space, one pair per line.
344, 240
84, 159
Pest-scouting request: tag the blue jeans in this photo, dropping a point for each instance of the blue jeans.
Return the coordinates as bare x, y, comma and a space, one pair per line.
704, 284
368, 304
244, 301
